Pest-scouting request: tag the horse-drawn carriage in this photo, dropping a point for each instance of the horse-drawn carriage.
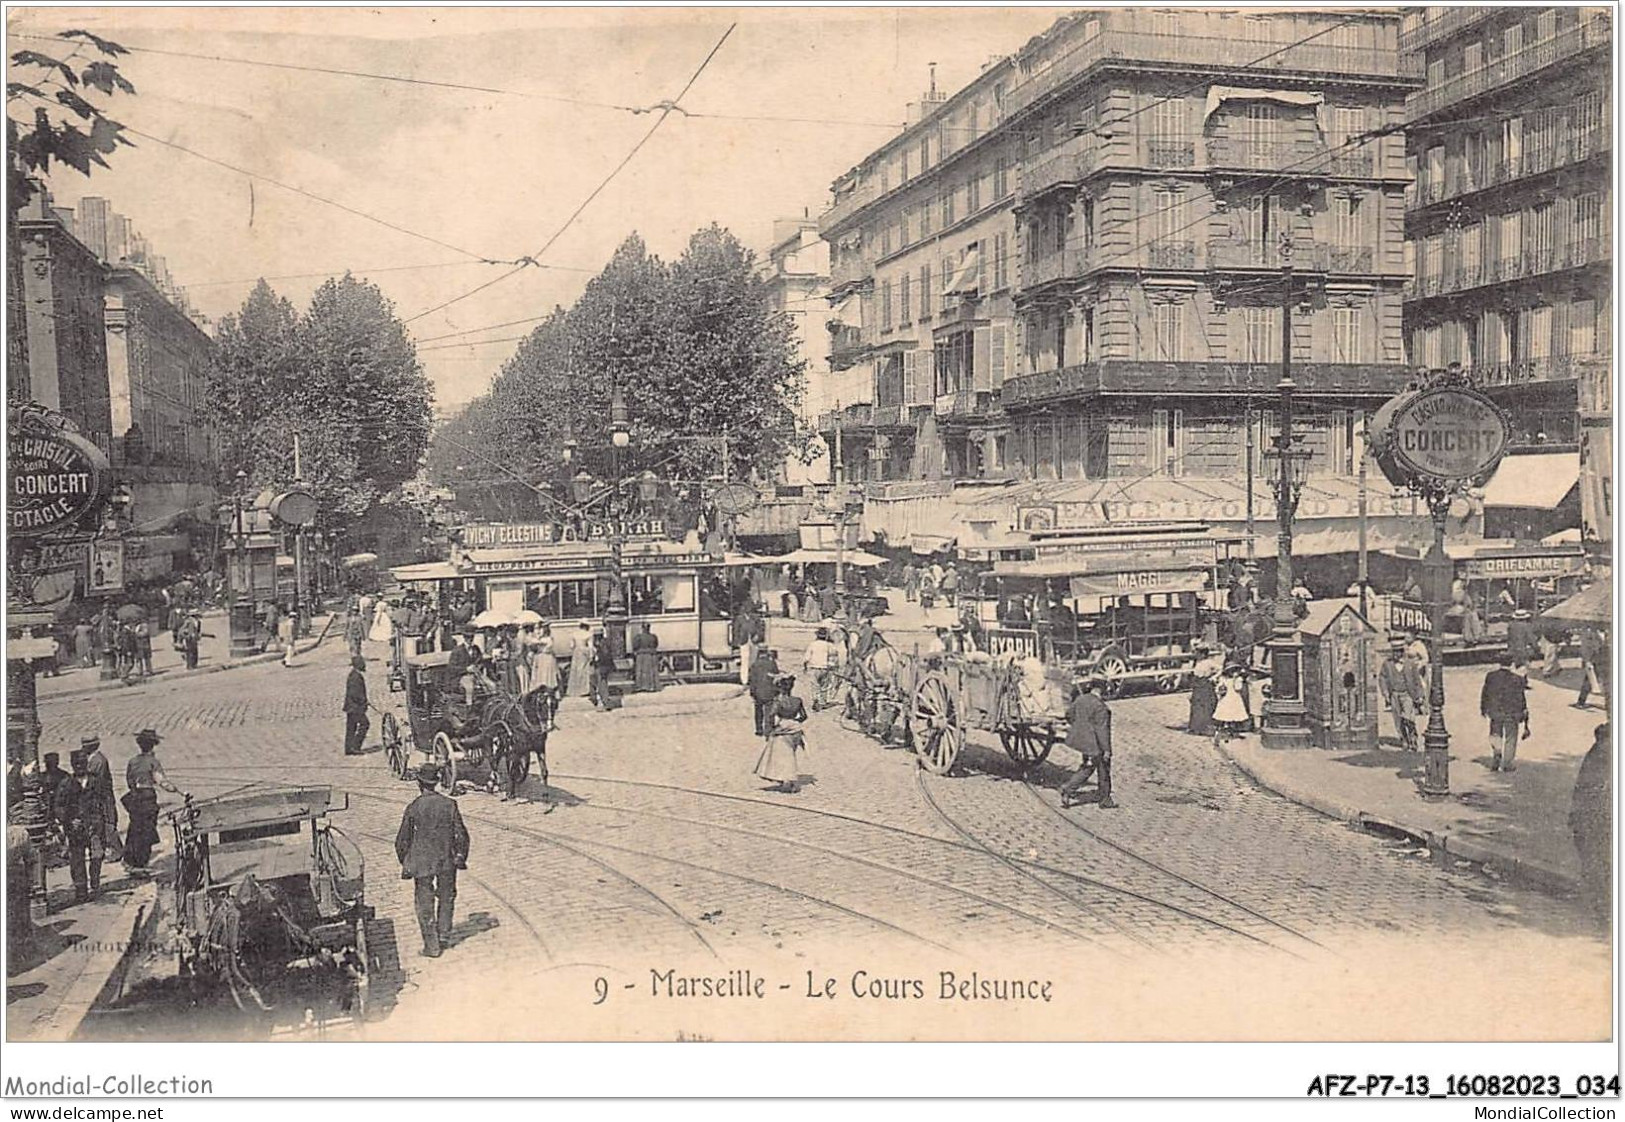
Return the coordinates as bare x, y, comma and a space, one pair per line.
928, 702
258, 913
489, 741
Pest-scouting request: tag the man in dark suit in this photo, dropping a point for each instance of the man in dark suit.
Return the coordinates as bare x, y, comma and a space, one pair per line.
1502, 700
764, 674
1089, 732
1522, 642
356, 721
432, 845
79, 809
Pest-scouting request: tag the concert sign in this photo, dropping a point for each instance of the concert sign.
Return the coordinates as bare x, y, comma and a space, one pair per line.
1449, 434
54, 475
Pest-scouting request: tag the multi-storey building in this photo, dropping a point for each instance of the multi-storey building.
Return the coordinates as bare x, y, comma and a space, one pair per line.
796, 273
1509, 221
922, 239
1149, 176
157, 360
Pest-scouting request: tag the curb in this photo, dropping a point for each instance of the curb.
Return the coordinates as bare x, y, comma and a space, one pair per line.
1521, 869
118, 941
174, 675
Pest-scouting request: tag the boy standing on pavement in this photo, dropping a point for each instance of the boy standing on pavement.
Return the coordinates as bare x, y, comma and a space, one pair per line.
1502, 700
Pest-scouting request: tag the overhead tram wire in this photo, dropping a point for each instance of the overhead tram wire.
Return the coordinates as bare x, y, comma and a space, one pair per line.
362, 271
533, 258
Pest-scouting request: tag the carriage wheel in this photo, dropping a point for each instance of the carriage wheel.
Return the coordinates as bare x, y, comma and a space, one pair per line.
934, 720
1114, 670
448, 762
1170, 681
1028, 745
392, 746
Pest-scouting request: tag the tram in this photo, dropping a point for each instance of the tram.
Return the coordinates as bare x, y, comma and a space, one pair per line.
678, 588
1131, 607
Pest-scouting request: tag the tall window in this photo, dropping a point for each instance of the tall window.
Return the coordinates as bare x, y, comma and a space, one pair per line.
973, 194
1541, 230
925, 291
1001, 179
1512, 142
885, 305
948, 207
1435, 171
1001, 253
1583, 327
1262, 326
1261, 128
1540, 332
1512, 39
1587, 225
1166, 320
1168, 119
1346, 335
885, 239
1165, 213
1264, 222
1472, 57
1346, 217
1087, 207
926, 224
907, 227
1588, 112
905, 301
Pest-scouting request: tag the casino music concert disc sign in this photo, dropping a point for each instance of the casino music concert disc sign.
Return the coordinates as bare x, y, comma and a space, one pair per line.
54, 475
1447, 434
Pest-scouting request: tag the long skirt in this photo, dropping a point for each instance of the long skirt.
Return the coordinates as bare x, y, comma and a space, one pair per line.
646, 671
580, 674
1204, 698
142, 803
779, 759
544, 671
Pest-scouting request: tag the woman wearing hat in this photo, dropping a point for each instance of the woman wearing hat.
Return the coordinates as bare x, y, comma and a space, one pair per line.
779, 762
1231, 712
143, 776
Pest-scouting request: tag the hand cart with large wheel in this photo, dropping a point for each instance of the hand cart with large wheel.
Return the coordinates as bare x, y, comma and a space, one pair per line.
955, 693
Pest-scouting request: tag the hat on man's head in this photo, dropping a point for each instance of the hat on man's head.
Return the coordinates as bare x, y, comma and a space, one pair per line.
148, 736
89, 744
429, 773
77, 763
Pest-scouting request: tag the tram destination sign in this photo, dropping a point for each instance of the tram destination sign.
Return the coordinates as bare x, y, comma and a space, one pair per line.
1447, 434
54, 475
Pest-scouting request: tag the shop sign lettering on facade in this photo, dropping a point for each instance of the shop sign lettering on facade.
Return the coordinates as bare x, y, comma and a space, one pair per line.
1489, 568
1016, 642
1092, 515
1138, 583
54, 475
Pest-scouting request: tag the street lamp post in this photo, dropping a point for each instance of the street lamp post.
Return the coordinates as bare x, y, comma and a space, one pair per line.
241, 610
1436, 737
615, 612
1284, 725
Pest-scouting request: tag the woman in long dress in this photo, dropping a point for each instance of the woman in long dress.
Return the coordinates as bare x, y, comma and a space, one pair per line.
580, 684
780, 760
544, 664
383, 628
1204, 694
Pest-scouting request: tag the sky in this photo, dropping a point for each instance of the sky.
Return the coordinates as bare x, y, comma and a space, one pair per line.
494, 175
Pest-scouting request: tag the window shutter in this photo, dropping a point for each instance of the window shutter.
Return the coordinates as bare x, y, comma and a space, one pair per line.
998, 354
981, 357
981, 267
916, 386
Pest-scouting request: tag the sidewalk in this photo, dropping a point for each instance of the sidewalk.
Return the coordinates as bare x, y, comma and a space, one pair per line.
1516, 824
168, 664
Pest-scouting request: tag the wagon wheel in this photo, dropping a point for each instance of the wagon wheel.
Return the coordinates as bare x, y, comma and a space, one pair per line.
499, 752
392, 746
1169, 680
448, 762
934, 720
1113, 670
1028, 745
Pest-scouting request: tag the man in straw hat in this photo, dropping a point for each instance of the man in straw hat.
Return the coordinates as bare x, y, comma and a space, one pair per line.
83, 818
432, 844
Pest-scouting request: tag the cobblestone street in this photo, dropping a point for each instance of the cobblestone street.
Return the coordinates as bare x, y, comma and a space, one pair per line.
655, 847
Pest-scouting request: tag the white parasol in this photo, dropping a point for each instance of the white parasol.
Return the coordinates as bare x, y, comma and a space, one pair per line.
491, 619
524, 617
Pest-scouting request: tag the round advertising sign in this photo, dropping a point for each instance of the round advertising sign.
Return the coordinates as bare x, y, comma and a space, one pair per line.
735, 498
54, 475
296, 507
1447, 434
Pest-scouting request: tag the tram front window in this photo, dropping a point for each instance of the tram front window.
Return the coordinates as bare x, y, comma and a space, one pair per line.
563, 599
660, 595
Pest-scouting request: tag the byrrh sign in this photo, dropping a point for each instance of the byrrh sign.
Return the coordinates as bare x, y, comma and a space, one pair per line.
54, 476
1446, 434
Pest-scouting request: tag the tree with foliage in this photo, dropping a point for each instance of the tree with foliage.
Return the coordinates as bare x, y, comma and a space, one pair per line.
50, 115
343, 376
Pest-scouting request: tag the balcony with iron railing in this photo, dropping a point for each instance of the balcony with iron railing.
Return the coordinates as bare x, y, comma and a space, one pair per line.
1289, 157
1047, 268
846, 345
1228, 253
965, 404
1566, 149
1527, 60
1435, 23
850, 270
1066, 167
1171, 255
1209, 52
1461, 276
846, 205
1133, 376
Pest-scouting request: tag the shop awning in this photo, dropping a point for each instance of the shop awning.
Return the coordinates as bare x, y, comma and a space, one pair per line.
861, 558
1218, 95
1138, 584
429, 571
926, 544
1594, 605
967, 277
1538, 482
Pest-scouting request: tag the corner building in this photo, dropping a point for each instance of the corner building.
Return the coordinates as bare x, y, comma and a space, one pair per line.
1509, 224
